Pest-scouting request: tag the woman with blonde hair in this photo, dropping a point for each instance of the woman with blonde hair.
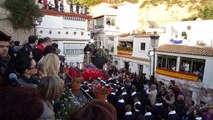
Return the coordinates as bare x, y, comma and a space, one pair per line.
41, 70
51, 64
50, 89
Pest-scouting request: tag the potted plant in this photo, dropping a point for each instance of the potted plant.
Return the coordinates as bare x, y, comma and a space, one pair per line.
101, 92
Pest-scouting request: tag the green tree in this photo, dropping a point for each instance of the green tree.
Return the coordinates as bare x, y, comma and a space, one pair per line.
206, 13
22, 13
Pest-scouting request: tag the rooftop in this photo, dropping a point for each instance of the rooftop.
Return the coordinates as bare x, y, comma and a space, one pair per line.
188, 50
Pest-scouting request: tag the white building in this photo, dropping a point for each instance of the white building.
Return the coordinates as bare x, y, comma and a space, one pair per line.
185, 55
191, 33
186, 43
132, 53
70, 31
109, 20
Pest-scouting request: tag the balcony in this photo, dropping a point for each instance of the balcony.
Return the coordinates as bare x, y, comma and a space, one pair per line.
180, 75
99, 26
64, 14
124, 50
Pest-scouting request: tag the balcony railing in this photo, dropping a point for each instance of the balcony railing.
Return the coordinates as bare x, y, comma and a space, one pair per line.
99, 26
124, 50
175, 74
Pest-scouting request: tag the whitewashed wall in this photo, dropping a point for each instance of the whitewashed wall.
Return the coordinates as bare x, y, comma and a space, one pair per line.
200, 30
137, 44
67, 28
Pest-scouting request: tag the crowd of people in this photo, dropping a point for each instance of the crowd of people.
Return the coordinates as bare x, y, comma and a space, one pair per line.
32, 79
136, 98
29, 78
59, 5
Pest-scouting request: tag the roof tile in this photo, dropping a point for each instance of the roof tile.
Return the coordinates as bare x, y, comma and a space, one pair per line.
189, 50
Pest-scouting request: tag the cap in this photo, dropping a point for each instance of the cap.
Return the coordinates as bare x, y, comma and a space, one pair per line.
4, 37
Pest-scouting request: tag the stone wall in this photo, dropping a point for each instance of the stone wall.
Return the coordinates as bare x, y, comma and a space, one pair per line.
5, 26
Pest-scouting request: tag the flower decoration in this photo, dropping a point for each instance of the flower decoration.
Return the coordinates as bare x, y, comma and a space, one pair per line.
102, 90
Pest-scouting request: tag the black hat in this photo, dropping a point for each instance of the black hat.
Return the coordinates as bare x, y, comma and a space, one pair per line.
4, 37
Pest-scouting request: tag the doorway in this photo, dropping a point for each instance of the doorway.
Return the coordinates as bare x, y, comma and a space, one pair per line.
140, 69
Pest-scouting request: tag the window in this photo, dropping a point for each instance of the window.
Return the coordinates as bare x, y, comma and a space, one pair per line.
167, 62
73, 49
111, 38
184, 35
188, 27
99, 23
193, 66
110, 20
143, 46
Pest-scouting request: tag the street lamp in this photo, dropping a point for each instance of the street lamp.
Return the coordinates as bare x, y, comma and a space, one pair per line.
154, 43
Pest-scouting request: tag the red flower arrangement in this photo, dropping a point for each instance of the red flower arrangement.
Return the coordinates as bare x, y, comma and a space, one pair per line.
102, 90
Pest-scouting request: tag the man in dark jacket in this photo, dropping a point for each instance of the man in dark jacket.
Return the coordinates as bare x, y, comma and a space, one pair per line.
4, 56
31, 42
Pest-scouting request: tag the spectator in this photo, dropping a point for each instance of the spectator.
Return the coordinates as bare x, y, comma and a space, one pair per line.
31, 42
56, 5
50, 89
209, 114
55, 45
37, 54
44, 43
40, 4
50, 5
180, 105
16, 47
175, 88
152, 92
62, 6
51, 64
19, 103
49, 49
4, 56
71, 7
41, 70
95, 110
203, 106
45, 2
24, 52
26, 68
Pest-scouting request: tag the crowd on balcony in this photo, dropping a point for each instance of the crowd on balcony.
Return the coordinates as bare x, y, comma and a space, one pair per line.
127, 46
59, 5
186, 65
33, 78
